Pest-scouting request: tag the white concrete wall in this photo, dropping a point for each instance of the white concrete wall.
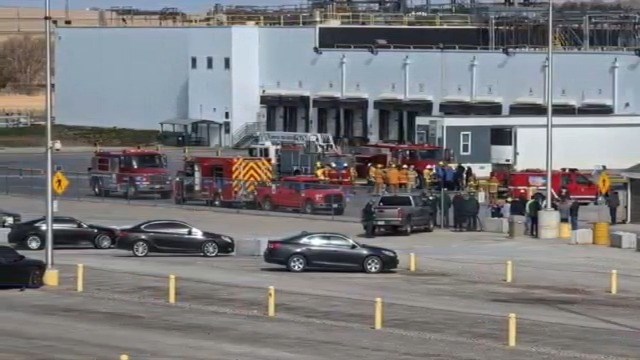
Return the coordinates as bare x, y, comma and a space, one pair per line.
579, 147
245, 73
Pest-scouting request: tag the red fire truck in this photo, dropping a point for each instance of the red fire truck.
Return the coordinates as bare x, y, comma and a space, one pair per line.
221, 181
527, 182
417, 155
130, 172
304, 193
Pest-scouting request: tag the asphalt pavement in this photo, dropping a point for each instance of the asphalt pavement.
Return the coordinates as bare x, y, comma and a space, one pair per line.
454, 307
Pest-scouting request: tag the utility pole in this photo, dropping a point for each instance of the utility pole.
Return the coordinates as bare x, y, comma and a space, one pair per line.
51, 275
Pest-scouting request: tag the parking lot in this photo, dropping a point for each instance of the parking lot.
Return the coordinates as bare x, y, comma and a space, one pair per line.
454, 307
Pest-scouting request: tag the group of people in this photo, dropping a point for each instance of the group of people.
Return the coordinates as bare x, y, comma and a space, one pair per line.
465, 210
392, 179
326, 173
405, 177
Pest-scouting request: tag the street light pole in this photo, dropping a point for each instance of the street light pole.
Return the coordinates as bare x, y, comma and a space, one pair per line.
51, 275
549, 100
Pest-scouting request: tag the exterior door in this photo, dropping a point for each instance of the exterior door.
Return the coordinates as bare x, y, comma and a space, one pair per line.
66, 231
176, 236
317, 250
342, 254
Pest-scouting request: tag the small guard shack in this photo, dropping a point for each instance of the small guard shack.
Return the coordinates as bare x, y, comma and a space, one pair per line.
191, 132
632, 175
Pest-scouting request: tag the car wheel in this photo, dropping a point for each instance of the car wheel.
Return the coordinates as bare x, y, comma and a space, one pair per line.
102, 241
34, 242
308, 207
217, 201
372, 265
408, 228
210, 249
267, 204
297, 263
430, 226
140, 248
35, 279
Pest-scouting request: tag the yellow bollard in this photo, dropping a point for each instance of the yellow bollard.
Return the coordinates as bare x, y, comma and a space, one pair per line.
601, 234
378, 315
412, 262
565, 231
80, 278
124, 357
172, 289
271, 298
509, 275
51, 277
614, 282
512, 330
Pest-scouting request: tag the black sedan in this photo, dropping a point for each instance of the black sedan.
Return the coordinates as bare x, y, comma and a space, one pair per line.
7, 218
17, 270
66, 231
328, 250
171, 236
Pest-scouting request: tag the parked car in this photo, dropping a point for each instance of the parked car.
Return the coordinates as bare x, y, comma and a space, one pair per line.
171, 236
7, 218
66, 231
17, 270
403, 213
328, 250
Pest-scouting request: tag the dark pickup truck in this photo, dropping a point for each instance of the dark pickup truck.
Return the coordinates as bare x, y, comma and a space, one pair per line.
403, 213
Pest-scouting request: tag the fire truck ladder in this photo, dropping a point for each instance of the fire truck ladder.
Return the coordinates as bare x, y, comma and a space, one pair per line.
322, 140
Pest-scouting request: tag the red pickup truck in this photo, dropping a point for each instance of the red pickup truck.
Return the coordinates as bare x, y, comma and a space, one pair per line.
303, 193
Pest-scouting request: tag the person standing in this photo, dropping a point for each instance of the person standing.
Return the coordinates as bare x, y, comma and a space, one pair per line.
412, 177
613, 201
444, 205
427, 174
506, 208
393, 179
403, 177
534, 208
449, 178
379, 179
468, 175
368, 218
472, 215
371, 178
573, 214
457, 202
493, 187
459, 178
564, 209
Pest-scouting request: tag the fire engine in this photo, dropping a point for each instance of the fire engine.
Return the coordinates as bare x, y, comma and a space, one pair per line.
417, 155
527, 182
221, 181
297, 159
304, 193
131, 172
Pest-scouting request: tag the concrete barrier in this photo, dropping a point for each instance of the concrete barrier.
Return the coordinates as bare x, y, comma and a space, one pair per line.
251, 247
517, 226
4, 233
624, 240
496, 225
582, 237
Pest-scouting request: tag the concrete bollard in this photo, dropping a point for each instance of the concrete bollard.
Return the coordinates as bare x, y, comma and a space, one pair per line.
271, 302
172, 289
548, 224
565, 231
624, 240
509, 272
601, 234
412, 262
512, 330
614, 282
378, 314
80, 278
581, 237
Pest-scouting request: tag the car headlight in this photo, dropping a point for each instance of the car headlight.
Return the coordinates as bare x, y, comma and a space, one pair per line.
389, 253
226, 238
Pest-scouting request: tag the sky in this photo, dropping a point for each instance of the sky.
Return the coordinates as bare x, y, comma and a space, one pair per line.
185, 5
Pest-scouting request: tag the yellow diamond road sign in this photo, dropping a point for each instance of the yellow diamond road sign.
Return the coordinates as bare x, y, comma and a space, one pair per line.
60, 183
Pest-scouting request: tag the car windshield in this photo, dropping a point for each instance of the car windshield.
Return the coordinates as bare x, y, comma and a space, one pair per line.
395, 201
8, 254
147, 161
435, 154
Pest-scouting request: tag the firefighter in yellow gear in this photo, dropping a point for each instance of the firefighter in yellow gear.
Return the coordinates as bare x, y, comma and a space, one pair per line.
493, 188
320, 172
371, 178
427, 176
403, 177
354, 174
393, 178
412, 175
379, 180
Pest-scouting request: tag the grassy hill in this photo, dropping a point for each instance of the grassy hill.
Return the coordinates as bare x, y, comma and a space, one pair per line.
76, 136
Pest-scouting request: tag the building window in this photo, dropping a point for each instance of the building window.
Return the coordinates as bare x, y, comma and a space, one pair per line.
209, 62
194, 62
465, 143
227, 63
226, 115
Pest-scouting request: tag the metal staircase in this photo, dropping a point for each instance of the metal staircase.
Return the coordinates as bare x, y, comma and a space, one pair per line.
321, 140
248, 134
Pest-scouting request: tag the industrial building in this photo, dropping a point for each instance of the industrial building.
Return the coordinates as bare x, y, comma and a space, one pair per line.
457, 86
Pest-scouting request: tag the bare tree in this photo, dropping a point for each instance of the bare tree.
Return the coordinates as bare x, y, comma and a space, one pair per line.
22, 61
